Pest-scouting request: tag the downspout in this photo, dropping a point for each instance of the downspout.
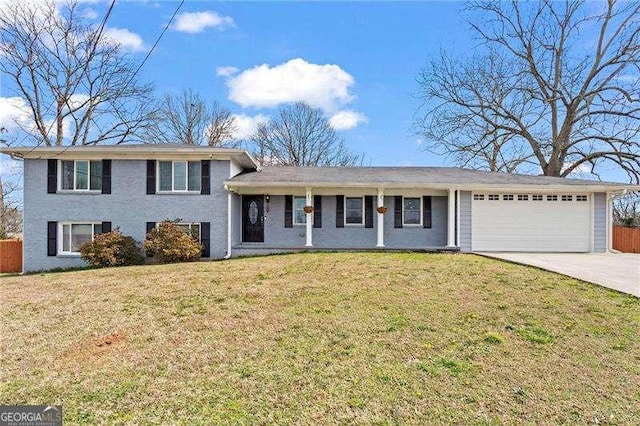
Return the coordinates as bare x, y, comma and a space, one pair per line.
229, 224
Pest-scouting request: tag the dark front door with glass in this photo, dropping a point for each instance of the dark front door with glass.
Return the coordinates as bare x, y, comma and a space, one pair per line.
252, 218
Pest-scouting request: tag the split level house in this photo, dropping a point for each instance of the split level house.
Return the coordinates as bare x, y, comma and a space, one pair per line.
238, 208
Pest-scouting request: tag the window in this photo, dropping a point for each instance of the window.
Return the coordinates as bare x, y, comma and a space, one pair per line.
581, 198
478, 197
299, 216
552, 198
353, 212
76, 234
494, 197
190, 228
81, 175
536, 197
523, 197
180, 176
507, 197
567, 198
412, 211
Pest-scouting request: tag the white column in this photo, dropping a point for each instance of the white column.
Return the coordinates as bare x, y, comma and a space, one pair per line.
309, 219
380, 219
451, 218
609, 222
458, 218
229, 224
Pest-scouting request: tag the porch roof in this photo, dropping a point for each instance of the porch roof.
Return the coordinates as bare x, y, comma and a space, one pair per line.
411, 177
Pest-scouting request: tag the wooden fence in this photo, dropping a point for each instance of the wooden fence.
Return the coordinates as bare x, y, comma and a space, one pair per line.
10, 256
626, 240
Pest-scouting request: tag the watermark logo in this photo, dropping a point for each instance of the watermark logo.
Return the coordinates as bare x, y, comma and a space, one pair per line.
30, 415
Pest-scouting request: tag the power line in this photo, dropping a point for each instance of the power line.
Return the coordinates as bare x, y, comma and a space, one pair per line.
166, 27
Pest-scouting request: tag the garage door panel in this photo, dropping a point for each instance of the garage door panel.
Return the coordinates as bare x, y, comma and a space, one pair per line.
531, 225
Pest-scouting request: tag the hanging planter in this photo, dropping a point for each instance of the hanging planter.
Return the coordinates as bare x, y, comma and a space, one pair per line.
308, 209
382, 209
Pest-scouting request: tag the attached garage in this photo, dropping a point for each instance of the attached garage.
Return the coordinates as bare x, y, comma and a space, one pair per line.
531, 222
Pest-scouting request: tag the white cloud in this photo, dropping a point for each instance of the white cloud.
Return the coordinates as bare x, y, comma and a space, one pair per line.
125, 38
14, 113
89, 13
246, 125
323, 86
347, 119
226, 71
197, 22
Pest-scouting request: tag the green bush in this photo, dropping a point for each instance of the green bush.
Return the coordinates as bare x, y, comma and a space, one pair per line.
168, 243
112, 249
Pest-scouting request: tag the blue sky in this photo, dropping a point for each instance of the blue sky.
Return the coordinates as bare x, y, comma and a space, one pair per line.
358, 61
380, 45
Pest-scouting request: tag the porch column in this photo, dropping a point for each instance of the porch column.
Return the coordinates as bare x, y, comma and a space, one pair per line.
380, 223
451, 219
309, 219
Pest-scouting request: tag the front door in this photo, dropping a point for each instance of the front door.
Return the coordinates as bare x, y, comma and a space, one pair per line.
252, 218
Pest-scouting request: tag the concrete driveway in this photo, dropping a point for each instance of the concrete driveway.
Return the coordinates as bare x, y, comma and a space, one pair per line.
619, 271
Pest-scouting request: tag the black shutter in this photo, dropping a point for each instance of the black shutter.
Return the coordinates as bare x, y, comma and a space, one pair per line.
106, 176
368, 211
426, 211
397, 211
288, 211
52, 178
317, 211
106, 227
339, 211
52, 234
205, 178
205, 238
151, 177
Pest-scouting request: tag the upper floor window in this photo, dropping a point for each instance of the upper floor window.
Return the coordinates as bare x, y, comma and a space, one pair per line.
76, 234
179, 175
353, 212
411, 212
81, 175
299, 216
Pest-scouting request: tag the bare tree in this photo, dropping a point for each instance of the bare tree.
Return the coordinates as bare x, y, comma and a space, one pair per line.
186, 118
78, 85
544, 94
626, 210
300, 135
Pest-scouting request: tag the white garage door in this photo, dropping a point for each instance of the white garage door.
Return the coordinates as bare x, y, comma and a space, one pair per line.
531, 222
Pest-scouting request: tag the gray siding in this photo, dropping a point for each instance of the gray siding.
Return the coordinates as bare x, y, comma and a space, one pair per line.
465, 221
349, 237
127, 207
599, 222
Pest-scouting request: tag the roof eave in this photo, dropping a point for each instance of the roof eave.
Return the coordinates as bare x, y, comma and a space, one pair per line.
441, 186
145, 152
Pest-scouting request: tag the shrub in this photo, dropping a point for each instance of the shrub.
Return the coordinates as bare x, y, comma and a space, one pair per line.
168, 243
112, 249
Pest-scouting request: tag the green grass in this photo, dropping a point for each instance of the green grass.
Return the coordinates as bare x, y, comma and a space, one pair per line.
321, 338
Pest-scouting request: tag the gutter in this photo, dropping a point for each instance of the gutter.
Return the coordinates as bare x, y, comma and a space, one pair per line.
229, 226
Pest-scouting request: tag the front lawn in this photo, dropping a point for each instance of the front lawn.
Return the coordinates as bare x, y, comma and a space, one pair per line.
321, 338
